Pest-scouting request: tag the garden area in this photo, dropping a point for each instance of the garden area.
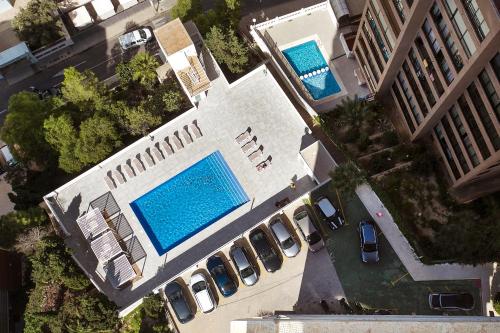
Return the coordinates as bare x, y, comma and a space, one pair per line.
409, 180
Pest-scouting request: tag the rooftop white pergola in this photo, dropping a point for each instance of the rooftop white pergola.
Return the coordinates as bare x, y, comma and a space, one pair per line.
105, 247
103, 8
80, 17
119, 271
92, 224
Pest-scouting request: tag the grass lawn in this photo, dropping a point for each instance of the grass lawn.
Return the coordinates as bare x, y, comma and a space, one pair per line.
385, 285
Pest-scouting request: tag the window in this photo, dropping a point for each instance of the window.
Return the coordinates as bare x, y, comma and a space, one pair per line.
438, 54
464, 136
399, 8
409, 98
484, 116
383, 24
446, 151
495, 63
414, 87
447, 38
421, 77
477, 18
378, 37
426, 61
460, 27
491, 93
454, 144
372, 47
403, 107
368, 59
471, 121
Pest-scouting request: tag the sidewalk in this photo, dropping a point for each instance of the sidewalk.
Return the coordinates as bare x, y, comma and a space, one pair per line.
417, 270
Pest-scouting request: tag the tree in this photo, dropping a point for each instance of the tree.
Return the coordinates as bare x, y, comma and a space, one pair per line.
23, 128
138, 121
98, 138
352, 112
62, 136
172, 100
186, 9
38, 23
153, 306
227, 48
27, 241
347, 177
84, 90
143, 67
15, 223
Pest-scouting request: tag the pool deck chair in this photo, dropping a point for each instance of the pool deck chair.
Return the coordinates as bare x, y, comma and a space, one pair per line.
118, 176
110, 182
195, 129
128, 170
149, 160
243, 136
138, 165
177, 142
249, 145
256, 154
157, 153
167, 147
186, 135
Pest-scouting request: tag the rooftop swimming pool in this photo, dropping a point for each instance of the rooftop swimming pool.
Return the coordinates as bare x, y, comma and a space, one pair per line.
189, 202
310, 65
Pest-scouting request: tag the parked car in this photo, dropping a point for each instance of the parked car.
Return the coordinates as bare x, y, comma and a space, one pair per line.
177, 299
284, 238
329, 214
135, 38
308, 231
202, 293
369, 242
451, 301
224, 282
265, 251
247, 272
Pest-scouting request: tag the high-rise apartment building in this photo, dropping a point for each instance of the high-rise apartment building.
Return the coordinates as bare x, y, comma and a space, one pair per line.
440, 63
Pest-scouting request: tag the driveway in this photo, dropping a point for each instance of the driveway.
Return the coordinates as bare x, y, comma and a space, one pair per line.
300, 285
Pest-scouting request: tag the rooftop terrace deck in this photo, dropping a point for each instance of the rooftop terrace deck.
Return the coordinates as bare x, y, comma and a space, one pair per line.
257, 102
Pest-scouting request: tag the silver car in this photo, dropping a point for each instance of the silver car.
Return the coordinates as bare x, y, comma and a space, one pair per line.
308, 231
246, 271
135, 38
283, 237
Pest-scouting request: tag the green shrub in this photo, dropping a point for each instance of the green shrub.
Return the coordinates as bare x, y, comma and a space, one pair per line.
351, 135
363, 141
153, 306
381, 162
14, 223
390, 138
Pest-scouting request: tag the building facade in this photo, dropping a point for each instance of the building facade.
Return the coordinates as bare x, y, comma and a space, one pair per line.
440, 63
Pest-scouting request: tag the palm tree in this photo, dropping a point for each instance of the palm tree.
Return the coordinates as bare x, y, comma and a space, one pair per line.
352, 111
347, 177
143, 67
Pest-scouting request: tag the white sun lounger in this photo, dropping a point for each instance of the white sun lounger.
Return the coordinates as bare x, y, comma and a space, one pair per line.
149, 160
110, 182
186, 135
167, 148
177, 142
157, 153
248, 146
243, 137
255, 155
196, 130
128, 170
118, 176
138, 165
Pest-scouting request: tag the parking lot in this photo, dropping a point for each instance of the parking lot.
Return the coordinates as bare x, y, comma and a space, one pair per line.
385, 285
299, 285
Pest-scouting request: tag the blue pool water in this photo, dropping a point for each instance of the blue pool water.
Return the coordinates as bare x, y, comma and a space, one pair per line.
306, 58
189, 202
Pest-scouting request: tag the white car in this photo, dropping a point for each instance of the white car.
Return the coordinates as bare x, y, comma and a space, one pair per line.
202, 293
135, 38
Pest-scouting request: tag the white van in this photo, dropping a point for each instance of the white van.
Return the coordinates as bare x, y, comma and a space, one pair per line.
7, 155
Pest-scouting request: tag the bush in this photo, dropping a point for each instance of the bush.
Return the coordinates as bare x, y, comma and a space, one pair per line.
153, 306
17, 222
380, 162
390, 138
351, 135
363, 141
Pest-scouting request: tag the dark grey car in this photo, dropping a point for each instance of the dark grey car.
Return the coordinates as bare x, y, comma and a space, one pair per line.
369, 242
177, 299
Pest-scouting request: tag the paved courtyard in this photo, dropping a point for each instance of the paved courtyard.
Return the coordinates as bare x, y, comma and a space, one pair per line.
300, 285
256, 102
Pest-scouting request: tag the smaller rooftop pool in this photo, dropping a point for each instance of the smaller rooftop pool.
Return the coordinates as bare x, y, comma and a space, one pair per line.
189, 202
309, 64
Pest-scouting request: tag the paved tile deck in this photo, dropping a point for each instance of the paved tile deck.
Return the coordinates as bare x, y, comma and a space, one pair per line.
258, 102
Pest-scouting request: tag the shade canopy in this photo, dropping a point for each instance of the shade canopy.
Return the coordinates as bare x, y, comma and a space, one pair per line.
105, 247
103, 8
80, 17
92, 224
119, 271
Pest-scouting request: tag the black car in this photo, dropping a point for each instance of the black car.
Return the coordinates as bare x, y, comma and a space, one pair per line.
329, 213
451, 301
218, 270
175, 296
265, 251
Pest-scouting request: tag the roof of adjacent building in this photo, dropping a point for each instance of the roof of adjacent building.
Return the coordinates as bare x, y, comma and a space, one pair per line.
318, 160
194, 77
173, 37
